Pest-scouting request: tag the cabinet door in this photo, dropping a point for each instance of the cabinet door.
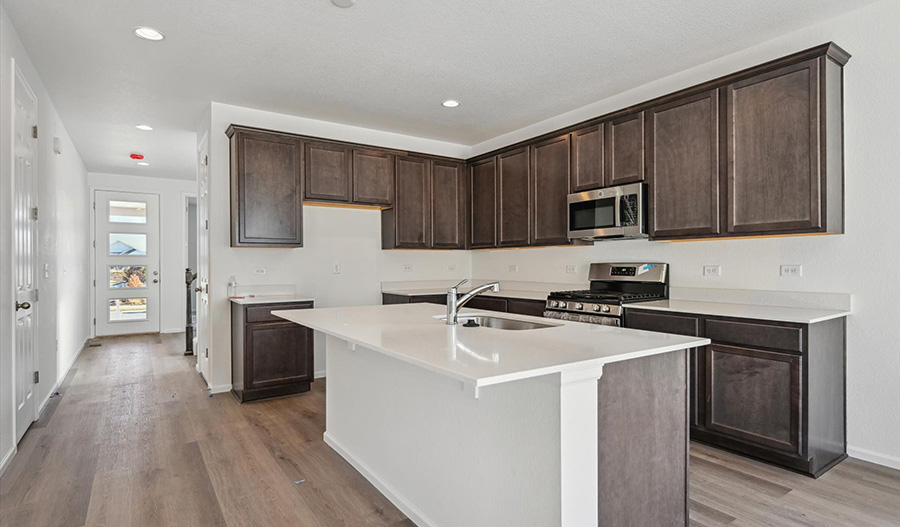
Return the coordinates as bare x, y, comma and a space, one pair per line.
411, 202
550, 186
519, 306
679, 325
373, 177
483, 197
514, 203
587, 159
487, 303
327, 172
266, 190
683, 167
448, 205
773, 151
754, 395
277, 354
624, 150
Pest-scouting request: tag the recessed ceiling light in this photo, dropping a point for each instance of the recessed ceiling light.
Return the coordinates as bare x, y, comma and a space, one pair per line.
144, 127
143, 163
343, 3
148, 33
450, 103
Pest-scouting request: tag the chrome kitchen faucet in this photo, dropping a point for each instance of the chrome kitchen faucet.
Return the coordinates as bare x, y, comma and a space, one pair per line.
454, 304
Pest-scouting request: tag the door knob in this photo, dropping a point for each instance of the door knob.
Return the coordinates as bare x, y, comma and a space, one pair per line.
23, 305
198, 289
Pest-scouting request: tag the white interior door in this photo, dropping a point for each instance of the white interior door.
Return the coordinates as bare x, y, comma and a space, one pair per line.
25, 252
127, 277
202, 350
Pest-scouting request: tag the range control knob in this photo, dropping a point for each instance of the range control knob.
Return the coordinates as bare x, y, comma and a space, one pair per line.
554, 303
605, 309
579, 306
596, 307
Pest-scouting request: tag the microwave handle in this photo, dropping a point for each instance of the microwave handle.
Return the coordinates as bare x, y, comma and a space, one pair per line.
617, 210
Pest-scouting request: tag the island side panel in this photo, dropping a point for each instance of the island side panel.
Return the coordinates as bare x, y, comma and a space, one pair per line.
643, 441
443, 457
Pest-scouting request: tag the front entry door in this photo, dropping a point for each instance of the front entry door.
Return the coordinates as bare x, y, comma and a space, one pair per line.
126, 272
25, 238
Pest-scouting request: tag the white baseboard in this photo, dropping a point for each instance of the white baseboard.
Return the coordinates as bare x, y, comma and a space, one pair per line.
176, 330
7, 458
385, 488
874, 457
65, 372
221, 388
319, 375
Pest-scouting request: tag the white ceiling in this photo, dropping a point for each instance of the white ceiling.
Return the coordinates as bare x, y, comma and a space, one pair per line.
384, 64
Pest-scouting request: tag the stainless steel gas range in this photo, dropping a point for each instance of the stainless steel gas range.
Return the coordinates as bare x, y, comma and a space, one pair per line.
612, 286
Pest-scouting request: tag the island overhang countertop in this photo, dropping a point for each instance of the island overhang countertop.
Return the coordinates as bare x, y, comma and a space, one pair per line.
483, 356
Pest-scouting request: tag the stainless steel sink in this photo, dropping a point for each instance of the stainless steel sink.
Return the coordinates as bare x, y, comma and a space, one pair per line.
502, 323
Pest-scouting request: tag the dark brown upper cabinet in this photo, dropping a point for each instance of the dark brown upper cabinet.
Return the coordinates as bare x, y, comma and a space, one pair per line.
624, 150
514, 206
266, 189
448, 204
784, 132
373, 177
411, 212
483, 199
550, 186
683, 167
327, 172
587, 158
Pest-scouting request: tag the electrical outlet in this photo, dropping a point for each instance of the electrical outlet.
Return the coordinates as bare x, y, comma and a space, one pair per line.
407, 268
571, 269
513, 268
451, 267
337, 268
712, 270
260, 271
793, 271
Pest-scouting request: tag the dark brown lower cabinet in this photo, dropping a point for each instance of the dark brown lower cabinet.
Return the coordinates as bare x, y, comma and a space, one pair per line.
387, 298
770, 390
517, 306
270, 356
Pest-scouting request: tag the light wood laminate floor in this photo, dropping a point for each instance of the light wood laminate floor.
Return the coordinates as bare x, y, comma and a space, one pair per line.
135, 439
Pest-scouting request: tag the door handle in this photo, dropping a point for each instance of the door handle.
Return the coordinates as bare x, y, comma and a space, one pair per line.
198, 289
23, 305
155, 280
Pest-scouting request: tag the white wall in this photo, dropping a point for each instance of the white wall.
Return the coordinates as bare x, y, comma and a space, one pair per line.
350, 237
859, 262
172, 227
63, 240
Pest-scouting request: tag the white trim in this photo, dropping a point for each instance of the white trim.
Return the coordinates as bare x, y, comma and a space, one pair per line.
7, 458
874, 457
221, 388
63, 376
319, 374
389, 492
170, 331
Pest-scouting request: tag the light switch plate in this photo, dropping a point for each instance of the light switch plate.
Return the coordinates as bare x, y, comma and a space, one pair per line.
792, 271
260, 271
712, 270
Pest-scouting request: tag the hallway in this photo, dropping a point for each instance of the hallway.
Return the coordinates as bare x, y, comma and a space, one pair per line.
135, 439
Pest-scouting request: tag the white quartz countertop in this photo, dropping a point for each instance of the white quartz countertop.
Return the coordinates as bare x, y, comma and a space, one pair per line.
503, 293
781, 314
484, 356
271, 299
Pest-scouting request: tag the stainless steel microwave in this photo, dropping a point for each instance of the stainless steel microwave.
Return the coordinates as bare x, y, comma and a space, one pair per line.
608, 213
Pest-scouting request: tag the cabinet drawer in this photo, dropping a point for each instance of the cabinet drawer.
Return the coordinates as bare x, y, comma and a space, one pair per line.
487, 303
755, 334
264, 313
677, 324
534, 308
429, 299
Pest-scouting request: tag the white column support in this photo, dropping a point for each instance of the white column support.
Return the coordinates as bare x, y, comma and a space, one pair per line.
578, 447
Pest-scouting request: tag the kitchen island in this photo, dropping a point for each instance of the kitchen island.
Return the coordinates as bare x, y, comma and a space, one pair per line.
567, 425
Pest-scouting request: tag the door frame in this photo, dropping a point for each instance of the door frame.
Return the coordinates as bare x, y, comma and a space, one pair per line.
18, 75
203, 331
92, 204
